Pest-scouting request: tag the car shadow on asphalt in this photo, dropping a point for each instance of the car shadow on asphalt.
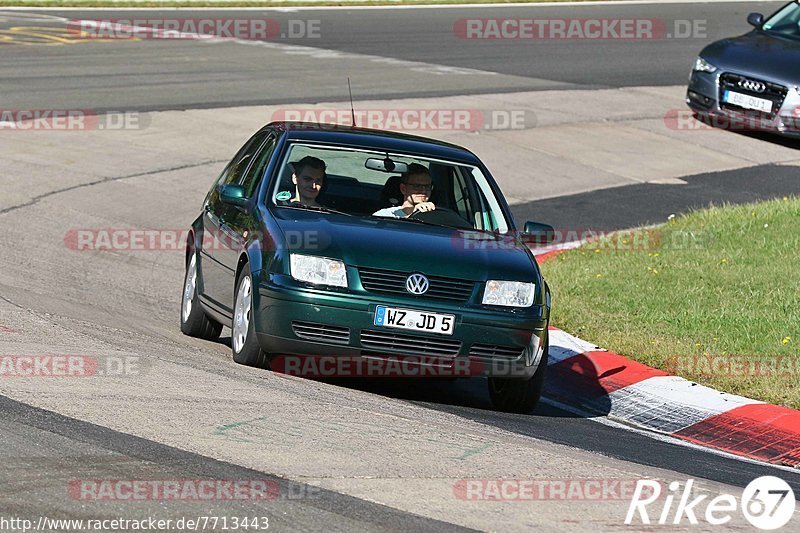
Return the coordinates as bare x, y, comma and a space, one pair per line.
573, 384
581, 392
642, 204
772, 138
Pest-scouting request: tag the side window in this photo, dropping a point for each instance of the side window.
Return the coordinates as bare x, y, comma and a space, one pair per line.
253, 177
238, 166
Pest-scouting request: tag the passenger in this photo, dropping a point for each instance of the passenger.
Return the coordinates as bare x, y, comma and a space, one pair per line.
415, 186
308, 178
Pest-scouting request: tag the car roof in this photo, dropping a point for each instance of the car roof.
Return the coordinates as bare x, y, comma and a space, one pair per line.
376, 139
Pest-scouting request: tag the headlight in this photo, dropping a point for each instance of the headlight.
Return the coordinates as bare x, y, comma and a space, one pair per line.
509, 293
701, 65
318, 270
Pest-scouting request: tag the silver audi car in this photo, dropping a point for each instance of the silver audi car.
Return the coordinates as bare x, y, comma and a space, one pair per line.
751, 82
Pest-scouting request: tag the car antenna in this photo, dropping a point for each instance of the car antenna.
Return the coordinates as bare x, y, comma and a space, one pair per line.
352, 109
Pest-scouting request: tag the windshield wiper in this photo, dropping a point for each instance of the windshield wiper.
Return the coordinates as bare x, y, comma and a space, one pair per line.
316, 208
418, 221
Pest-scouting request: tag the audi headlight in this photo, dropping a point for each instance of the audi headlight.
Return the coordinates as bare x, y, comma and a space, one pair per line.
509, 293
318, 270
701, 65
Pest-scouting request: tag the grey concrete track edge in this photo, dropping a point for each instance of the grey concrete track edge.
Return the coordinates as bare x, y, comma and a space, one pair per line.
379, 517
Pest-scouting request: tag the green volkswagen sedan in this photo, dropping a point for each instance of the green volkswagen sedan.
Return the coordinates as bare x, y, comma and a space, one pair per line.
352, 245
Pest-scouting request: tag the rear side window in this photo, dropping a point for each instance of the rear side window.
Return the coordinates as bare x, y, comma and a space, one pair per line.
237, 168
256, 172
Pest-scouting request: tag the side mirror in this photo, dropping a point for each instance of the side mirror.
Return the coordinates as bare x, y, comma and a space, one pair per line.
755, 19
233, 195
539, 234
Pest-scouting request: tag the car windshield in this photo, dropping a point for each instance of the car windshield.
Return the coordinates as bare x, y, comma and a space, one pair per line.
785, 22
372, 183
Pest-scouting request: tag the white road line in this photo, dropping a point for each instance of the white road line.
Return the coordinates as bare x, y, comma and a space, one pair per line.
310, 51
21, 16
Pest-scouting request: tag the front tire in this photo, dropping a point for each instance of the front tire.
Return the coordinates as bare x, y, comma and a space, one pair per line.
194, 321
244, 343
514, 395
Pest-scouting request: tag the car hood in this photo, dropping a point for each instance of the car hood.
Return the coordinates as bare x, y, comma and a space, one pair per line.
406, 246
758, 54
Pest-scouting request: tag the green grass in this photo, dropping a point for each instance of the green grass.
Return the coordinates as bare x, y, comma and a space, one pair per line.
254, 3
720, 285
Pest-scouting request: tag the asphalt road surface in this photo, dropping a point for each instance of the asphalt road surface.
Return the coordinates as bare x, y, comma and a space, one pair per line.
362, 455
386, 53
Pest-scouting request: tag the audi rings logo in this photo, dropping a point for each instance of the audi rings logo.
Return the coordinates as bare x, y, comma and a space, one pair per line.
417, 284
752, 85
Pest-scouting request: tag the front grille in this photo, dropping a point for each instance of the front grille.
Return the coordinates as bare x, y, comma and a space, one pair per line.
381, 341
321, 332
394, 282
495, 351
773, 92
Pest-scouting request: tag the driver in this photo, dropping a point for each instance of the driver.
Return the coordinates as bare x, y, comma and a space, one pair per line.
415, 186
308, 178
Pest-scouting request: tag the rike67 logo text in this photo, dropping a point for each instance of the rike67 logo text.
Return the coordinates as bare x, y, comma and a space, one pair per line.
767, 503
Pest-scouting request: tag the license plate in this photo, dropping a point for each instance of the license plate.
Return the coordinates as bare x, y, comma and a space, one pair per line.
392, 317
748, 102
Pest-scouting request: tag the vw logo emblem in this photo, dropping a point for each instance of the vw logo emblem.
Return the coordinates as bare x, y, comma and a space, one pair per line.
752, 85
417, 284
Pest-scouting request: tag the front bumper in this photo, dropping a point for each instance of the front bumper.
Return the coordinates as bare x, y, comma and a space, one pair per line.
295, 321
704, 97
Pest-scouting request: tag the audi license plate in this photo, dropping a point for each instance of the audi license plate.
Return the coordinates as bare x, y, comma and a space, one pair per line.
392, 317
747, 102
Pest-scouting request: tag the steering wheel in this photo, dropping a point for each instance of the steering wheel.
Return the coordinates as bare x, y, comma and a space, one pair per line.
443, 217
